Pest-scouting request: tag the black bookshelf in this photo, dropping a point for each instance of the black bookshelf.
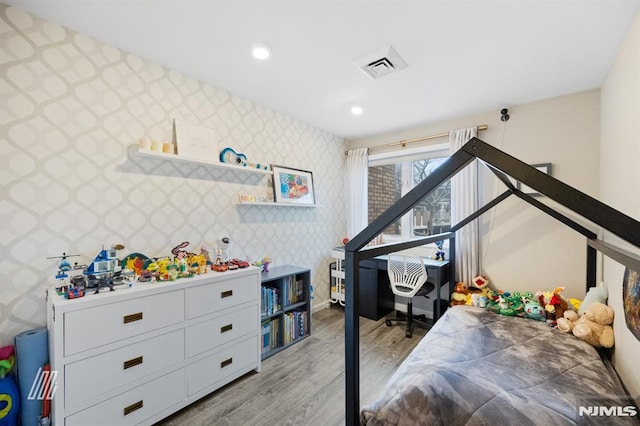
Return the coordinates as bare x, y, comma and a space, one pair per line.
285, 314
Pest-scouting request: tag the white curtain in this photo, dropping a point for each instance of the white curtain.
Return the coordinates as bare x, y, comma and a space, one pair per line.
464, 201
357, 194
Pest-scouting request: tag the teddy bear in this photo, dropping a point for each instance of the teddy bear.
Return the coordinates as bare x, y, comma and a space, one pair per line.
565, 324
593, 326
460, 294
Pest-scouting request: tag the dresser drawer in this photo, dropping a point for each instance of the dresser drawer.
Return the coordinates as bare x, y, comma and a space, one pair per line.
215, 368
205, 299
220, 330
135, 405
100, 325
93, 376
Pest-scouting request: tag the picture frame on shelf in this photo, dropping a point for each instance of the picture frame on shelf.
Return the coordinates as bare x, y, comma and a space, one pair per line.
195, 141
293, 186
544, 168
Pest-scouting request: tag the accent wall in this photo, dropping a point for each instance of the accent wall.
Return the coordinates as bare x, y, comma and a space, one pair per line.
74, 110
619, 183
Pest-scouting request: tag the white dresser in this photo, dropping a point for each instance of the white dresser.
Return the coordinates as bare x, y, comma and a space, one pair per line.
134, 356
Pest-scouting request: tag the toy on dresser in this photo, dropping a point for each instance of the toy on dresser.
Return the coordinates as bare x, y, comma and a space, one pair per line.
104, 271
68, 284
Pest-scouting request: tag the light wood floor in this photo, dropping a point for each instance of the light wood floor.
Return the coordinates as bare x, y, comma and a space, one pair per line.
304, 384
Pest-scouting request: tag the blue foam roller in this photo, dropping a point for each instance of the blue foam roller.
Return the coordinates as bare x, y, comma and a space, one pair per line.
32, 353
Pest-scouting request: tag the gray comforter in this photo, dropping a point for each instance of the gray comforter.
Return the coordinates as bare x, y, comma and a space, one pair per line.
475, 367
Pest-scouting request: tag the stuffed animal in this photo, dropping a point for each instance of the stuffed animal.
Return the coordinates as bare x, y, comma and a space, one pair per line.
594, 326
574, 303
534, 311
565, 324
480, 281
478, 300
460, 294
595, 294
552, 302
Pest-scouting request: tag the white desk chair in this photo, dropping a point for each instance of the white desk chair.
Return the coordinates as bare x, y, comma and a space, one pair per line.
407, 277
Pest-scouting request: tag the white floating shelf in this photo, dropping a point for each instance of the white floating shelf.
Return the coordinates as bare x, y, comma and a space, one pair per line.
272, 204
206, 163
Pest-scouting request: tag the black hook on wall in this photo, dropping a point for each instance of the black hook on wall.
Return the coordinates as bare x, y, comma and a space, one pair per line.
504, 114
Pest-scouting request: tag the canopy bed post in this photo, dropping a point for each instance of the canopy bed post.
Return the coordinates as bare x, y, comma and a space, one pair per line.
452, 264
353, 255
352, 338
591, 267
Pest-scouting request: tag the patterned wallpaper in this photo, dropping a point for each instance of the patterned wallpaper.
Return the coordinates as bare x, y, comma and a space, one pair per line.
73, 111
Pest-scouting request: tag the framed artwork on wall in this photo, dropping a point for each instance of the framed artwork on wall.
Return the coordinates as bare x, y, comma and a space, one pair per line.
293, 186
195, 141
631, 301
544, 168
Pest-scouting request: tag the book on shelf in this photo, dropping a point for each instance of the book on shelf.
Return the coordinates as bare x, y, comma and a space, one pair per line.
266, 336
295, 323
270, 334
270, 301
295, 290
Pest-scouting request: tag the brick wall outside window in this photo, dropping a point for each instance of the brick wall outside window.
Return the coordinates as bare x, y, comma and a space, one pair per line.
384, 190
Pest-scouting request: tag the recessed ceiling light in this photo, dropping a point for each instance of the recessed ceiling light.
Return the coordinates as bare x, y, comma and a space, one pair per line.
356, 110
260, 50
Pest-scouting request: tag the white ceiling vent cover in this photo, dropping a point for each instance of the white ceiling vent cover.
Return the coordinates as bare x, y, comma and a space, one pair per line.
383, 62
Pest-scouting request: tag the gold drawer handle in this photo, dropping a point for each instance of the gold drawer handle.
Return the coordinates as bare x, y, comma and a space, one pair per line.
132, 317
227, 293
133, 407
132, 362
226, 362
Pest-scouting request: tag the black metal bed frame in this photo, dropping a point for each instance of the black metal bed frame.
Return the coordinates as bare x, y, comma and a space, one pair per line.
502, 165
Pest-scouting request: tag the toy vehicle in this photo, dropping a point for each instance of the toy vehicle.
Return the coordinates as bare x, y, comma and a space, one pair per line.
73, 293
145, 276
64, 265
104, 268
219, 267
240, 263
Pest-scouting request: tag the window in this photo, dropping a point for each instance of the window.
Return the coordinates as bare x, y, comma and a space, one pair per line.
390, 178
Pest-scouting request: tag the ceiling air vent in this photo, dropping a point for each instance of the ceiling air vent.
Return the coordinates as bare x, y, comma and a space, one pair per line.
383, 62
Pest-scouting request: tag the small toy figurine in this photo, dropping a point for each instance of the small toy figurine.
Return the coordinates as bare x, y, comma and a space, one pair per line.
224, 246
204, 251
440, 253
180, 256
264, 263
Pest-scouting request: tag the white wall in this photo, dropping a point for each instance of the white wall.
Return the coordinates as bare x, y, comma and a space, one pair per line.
72, 110
522, 248
620, 184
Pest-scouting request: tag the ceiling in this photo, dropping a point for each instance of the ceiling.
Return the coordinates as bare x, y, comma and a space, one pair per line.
463, 57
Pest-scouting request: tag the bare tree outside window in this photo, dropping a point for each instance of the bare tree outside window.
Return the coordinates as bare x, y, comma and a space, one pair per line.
387, 183
433, 214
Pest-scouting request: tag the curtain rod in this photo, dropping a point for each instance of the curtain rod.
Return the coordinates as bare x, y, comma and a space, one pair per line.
404, 143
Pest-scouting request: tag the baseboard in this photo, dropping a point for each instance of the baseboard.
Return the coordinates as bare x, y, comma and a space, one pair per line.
319, 306
416, 311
